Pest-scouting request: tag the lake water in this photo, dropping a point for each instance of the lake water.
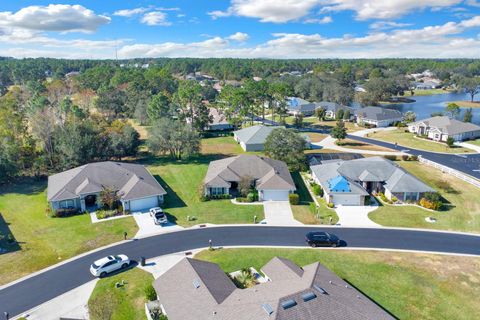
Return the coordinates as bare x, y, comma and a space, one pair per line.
424, 106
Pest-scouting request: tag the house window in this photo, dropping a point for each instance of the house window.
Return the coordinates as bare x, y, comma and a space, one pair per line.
217, 191
67, 203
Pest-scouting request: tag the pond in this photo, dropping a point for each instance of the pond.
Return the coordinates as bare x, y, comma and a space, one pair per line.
424, 106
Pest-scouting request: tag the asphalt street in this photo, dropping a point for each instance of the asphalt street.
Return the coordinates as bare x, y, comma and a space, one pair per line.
27, 294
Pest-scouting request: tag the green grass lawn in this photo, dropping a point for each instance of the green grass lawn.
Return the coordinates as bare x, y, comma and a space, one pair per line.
474, 142
124, 303
303, 212
408, 140
44, 241
409, 285
462, 213
427, 92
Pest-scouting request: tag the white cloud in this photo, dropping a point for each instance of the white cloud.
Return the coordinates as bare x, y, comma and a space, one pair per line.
384, 25
54, 17
155, 18
130, 12
239, 36
290, 10
323, 20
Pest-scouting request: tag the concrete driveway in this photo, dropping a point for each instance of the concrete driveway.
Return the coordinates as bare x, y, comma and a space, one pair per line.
279, 213
355, 216
147, 227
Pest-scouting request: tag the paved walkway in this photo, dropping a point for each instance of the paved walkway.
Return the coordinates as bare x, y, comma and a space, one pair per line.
70, 305
279, 213
355, 216
363, 133
147, 227
329, 143
469, 146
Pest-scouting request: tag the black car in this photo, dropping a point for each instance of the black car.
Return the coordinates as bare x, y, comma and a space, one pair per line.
318, 238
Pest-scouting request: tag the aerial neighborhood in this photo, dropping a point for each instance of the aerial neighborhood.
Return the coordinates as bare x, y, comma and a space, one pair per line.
230, 160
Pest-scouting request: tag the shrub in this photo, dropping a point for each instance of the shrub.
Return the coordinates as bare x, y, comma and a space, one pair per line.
445, 186
150, 293
293, 198
394, 199
204, 198
391, 158
413, 158
330, 205
431, 200
251, 197
317, 190
242, 199
405, 157
66, 212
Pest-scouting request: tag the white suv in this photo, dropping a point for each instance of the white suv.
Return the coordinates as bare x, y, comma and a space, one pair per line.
159, 217
101, 267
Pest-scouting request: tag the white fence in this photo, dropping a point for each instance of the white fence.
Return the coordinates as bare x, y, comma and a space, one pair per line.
451, 171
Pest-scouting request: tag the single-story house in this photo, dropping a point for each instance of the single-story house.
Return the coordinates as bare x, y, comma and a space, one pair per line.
349, 182
271, 178
331, 109
219, 121
441, 127
377, 116
300, 106
200, 290
253, 138
80, 187
427, 85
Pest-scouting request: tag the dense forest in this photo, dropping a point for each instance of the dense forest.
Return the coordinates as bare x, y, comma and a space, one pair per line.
56, 114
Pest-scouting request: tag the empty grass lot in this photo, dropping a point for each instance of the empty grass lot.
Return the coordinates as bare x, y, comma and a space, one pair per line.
360, 146
408, 285
43, 241
462, 213
124, 303
407, 139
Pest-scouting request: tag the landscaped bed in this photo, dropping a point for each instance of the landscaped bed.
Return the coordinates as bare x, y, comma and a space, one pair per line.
409, 285
409, 140
42, 240
461, 212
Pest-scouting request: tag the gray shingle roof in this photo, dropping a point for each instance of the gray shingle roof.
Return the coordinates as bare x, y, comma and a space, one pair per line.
372, 169
133, 181
255, 134
300, 105
326, 171
378, 113
448, 126
182, 300
269, 173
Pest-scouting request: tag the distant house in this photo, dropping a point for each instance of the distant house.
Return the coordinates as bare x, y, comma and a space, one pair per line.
442, 127
200, 290
427, 85
270, 177
80, 187
253, 138
300, 106
349, 182
377, 116
331, 109
219, 121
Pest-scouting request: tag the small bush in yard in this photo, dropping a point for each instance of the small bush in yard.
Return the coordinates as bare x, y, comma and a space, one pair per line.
431, 200
330, 205
293, 198
394, 199
150, 293
317, 190
405, 157
251, 197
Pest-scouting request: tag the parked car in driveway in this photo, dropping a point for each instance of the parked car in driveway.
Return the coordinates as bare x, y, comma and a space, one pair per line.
159, 217
319, 238
102, 267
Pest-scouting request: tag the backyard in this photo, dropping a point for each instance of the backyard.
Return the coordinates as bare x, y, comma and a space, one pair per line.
409, 140
42, 241
123, 303
462, 212
408, 285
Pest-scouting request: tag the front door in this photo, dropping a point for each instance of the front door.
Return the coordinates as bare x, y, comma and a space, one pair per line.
90, 200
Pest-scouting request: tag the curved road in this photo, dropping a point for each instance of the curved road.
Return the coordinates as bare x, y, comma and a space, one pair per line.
31, 292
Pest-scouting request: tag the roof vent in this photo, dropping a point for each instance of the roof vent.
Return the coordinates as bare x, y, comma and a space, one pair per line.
320, 289
268, 308
196, 284
288, 304
308, 296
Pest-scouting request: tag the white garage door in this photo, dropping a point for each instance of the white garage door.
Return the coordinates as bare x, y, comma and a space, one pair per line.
275, 195
145, 203
346, 200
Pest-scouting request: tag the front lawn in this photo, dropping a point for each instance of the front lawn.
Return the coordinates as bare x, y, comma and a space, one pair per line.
408, 140
183, 182
409, 285
462, 213
43, 241
124, 303
474, 142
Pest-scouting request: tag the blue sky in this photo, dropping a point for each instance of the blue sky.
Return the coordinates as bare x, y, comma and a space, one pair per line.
241, 28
